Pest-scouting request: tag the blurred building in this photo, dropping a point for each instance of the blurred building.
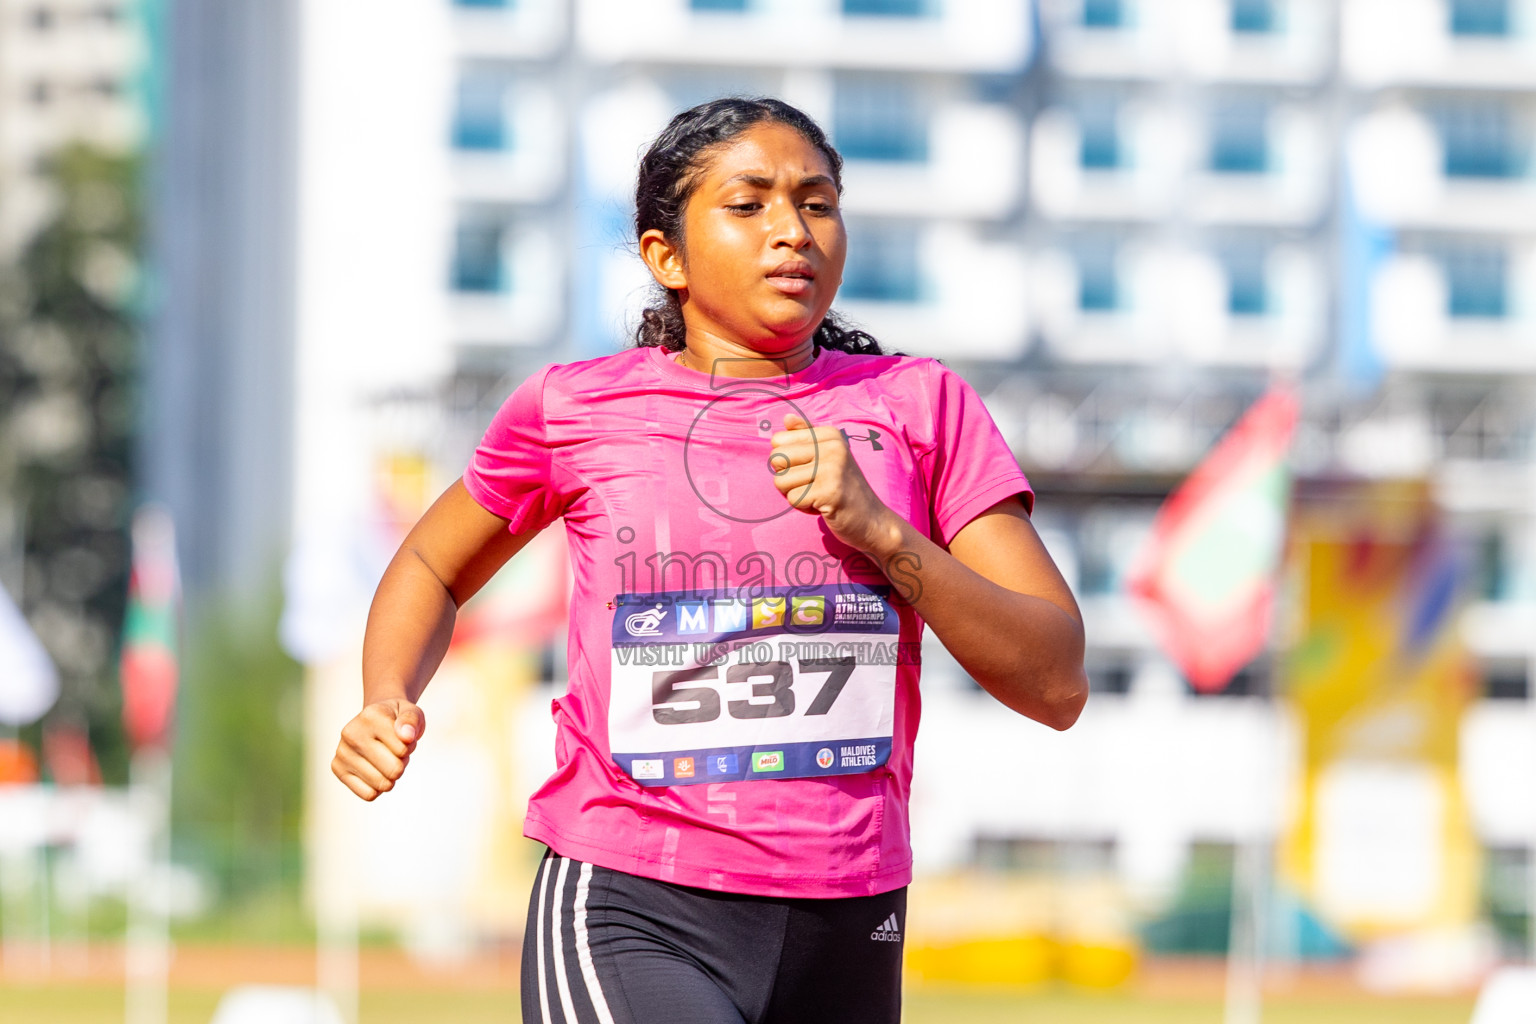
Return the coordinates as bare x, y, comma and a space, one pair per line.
219, 382
1223, 191
69, 73
1122, 219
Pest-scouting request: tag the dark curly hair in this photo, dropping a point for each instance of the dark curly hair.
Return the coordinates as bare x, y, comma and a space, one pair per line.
669, 175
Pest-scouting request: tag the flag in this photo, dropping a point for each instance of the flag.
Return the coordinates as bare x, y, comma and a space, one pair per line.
150, 632
1207, 575
29, 684
67, 753
17, 765
1378, 677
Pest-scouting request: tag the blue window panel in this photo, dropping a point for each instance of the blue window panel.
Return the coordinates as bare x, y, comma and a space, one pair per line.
1479, 142
718, 5
1495, 569
1480, 17
1101, 567
479, 264
1098, 291
1100, 150
1253, 16
1098, 282
882, 265
1247, 296
1098, 577
1100, 127
479, 114
879, 119
1240, 140
887, 8
1247, 283
1104, 13
1477, 280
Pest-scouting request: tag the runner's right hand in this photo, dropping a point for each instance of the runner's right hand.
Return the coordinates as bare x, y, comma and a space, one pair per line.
376, 746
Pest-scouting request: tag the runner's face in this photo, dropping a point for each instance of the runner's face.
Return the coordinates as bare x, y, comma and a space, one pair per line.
763, 242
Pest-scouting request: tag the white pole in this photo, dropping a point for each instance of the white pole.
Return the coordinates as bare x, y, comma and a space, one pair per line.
1253, 876
333, 844
1245, 952
149, 940
44, 881
337, 960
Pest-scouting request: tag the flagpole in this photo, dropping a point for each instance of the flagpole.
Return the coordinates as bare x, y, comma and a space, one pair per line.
1208, 577
1245, 953
333, 848
1253, 866
1252, 879
337, 961
149, 941
45, 899
150, 674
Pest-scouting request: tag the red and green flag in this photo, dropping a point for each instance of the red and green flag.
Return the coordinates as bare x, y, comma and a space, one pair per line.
1209, 572
151, 633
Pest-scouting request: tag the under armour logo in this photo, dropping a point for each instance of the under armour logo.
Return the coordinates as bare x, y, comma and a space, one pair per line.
873, 437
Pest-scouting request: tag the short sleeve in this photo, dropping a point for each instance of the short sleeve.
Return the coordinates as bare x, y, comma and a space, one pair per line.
511, 471
970, 467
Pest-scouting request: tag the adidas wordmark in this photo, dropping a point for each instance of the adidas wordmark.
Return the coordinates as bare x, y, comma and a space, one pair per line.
889, 930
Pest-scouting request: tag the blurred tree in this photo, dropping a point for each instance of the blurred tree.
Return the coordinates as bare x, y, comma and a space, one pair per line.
239, 755
70, 327
68, 344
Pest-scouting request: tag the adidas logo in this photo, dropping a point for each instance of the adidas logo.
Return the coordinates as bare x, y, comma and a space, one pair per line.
889, 930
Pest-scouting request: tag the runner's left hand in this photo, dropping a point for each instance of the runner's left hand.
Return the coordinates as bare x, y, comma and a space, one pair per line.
814, 470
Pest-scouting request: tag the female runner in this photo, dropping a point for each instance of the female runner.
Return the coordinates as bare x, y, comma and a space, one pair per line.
763, 512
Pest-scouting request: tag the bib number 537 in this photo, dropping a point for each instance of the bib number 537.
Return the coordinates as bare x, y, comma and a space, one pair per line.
773, 690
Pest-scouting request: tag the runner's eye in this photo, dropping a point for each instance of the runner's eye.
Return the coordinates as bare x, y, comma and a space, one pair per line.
742, 209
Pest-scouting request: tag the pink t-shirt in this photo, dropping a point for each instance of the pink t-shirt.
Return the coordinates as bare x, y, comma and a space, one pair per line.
743, 686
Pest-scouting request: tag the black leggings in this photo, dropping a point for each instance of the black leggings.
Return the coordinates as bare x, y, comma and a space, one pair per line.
605, 947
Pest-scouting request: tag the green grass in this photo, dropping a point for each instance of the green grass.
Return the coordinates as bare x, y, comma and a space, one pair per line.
63, 1003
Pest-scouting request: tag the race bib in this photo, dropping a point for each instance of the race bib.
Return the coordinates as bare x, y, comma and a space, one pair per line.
791, 683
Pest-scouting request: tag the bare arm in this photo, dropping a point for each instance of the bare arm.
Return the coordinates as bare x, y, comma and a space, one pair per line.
1000, 606
445, 559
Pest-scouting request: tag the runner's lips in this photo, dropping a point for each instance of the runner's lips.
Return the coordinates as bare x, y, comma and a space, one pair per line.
793, 268
792, 278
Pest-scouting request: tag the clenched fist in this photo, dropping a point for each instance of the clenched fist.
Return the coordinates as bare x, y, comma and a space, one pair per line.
376, 746
813, 468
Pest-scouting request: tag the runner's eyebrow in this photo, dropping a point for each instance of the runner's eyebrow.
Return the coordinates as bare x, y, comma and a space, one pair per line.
763, 181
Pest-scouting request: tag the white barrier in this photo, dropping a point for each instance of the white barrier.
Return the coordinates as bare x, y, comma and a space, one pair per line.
272, 1004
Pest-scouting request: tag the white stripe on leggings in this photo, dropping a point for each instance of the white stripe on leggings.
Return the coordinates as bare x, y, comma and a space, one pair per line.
543, 986
584, 951
561, 979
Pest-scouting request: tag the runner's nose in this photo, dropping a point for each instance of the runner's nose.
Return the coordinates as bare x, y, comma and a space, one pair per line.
789, 227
